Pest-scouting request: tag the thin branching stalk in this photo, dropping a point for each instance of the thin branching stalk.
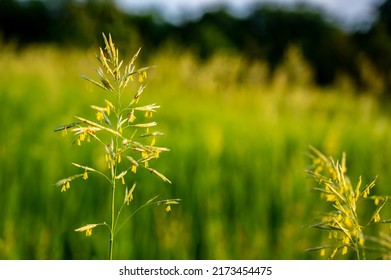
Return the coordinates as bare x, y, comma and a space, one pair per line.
116, 120
346, 228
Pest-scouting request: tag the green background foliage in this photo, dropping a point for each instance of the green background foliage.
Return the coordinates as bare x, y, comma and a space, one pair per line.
238, 141
238, 109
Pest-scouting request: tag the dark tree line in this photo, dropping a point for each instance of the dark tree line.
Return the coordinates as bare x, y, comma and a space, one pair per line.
266, 34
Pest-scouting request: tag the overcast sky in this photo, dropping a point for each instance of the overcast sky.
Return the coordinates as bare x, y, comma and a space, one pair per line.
345, 11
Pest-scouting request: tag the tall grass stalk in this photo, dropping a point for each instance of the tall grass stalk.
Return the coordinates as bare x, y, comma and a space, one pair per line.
347, 223
125, 133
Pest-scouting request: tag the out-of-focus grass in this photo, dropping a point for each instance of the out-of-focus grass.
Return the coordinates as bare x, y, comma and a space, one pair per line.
238, 154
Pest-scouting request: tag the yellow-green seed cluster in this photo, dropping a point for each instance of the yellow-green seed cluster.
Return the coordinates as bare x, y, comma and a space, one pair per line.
119, 134
343, 224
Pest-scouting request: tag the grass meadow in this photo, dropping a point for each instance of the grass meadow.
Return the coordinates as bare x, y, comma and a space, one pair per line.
238, 141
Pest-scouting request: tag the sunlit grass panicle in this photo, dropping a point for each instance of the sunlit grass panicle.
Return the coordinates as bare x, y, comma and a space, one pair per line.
345, 226
117, 122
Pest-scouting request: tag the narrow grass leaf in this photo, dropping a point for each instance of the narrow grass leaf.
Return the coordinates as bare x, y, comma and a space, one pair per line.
99, 126
161, 176
84, 167
94, 82
145, 125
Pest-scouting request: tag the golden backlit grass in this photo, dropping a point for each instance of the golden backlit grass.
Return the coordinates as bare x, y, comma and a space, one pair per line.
237, 137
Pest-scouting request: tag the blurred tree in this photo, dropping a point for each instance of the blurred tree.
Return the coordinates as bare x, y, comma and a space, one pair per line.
325, 46
265, 34
375, 44
81, 23
213, 31
24, 22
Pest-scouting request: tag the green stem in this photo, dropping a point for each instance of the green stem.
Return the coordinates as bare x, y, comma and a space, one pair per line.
113, 184
114, 180
112, 221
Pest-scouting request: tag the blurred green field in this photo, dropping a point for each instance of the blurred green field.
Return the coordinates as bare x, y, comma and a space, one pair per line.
238, 141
